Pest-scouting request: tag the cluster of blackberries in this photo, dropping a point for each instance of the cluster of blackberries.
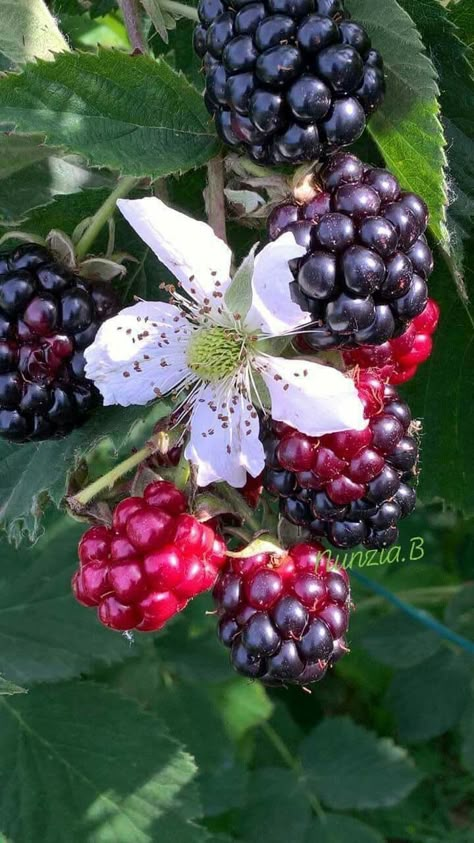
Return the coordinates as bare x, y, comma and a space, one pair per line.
351, 487
145, 568
284, 619
288, 80
48, 316
364, 276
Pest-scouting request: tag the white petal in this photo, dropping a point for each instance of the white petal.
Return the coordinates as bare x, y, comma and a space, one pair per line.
224, 443
273, 310
190, 249
140, 353
314, 399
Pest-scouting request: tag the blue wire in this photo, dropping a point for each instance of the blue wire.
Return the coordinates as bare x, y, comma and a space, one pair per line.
418, 615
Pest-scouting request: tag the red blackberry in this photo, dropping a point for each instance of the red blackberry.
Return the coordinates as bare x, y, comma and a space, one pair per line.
48, 316
287, 80
283, 619
397, 360
364, 276
350, 487
150, 563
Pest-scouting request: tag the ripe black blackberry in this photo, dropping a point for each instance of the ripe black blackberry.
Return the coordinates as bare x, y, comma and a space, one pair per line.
283, 619
364, 276
350, 487
48, 316
287, 80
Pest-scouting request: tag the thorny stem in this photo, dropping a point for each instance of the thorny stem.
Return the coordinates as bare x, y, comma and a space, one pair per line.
132, 19
417, 614
179, 9
295, 765
158, 442
103, 214
215, 198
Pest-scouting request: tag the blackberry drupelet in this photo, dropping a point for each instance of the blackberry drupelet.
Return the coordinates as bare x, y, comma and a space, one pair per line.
364, 276
351, 487
283, 619
48, 316
287, 80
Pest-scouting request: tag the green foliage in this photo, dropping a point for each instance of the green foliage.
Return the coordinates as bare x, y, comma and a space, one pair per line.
125, 112
407, 127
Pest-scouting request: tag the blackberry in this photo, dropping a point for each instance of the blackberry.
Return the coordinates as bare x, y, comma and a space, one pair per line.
397, 360
145, 568
284, 620
48, 316
287, 80
351, 487
364, 276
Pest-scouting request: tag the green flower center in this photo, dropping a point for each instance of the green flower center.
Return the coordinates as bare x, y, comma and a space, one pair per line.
215, 353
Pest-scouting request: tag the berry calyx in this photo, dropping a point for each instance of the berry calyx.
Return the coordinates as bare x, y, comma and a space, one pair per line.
284, 620
154, 558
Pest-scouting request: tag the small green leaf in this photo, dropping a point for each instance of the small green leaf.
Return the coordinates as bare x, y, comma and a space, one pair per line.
337, 828
398, 641
351, 768
129, 113
28, 31
423, 714
82, 763
238, 297
407, 127
244, 706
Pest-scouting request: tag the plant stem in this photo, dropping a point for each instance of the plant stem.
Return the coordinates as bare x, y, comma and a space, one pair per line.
76, 502
417, 614
431, 594
294, 764
103, 214
179, 9
132, 20
215, 200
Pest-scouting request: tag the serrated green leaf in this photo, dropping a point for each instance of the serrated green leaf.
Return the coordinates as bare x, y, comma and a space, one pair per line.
34, 473
45, 635
351, 768
28, 31
8, 688
398, 641
276, 808
126, 112
82, 763
462, 14
423, 714
337, 828
407, 127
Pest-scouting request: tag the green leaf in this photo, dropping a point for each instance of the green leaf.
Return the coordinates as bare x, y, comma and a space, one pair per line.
337, 828
30, 176
82, 763
467, 732
28, 31
45, 635
462, 13
126, 112
352, 768
8, 688
429, 699
398, 641
407, 128
456, 75
238, 297
36, 472
448, 446
276, 808
244, 706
